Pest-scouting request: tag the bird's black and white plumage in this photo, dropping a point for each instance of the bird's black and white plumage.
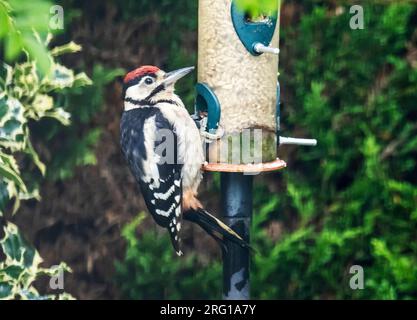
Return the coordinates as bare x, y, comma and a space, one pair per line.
160, 184
164, 151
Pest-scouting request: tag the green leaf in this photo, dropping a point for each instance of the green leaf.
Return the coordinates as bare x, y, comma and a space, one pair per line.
6, 74
13, 45
28, 91
59, 77
8, 170
81, 80
13, 271
70, 47
42, 103
12, 123
4, 196
4, 108
59, 114
6, 290
4, 19
39, 53
17, 249
35, 158
258, 7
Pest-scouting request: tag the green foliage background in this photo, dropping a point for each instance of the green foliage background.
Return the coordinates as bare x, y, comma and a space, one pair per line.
350, 200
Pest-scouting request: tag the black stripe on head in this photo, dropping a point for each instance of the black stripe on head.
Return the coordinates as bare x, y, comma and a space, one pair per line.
164, 101
137, 102
155, 91
147, 101
135, 81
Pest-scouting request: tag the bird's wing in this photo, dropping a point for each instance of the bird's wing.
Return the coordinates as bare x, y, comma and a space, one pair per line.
152, 160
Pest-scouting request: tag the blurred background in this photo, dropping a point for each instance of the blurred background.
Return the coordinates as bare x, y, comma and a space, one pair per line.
352, 200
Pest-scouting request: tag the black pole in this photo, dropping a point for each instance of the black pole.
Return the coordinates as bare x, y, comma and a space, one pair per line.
237, 211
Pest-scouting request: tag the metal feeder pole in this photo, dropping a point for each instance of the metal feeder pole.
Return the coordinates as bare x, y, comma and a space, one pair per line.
237, 211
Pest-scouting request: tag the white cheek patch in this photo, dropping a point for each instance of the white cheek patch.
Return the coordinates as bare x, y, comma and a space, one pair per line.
136, 92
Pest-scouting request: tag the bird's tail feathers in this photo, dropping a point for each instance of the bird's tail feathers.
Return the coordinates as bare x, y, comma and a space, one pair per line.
214, 227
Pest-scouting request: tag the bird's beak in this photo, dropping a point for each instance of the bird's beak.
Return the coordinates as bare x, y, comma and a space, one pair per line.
173, 76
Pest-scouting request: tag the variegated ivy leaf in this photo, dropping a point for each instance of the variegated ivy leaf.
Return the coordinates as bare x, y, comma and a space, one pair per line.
60, 77
26, 81
59, 114
64, 296
70, 47
24, 94
6, 290
35, 157
6, 76
12, 123
12, 185
81, 79
22, 267
42, 103
32, 194
55, 270
4, 196
9, 164
17, 250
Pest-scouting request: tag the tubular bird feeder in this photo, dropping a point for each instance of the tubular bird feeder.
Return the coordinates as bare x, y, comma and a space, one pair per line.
237, 109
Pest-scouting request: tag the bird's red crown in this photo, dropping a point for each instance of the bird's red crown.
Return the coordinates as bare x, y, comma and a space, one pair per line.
140, 72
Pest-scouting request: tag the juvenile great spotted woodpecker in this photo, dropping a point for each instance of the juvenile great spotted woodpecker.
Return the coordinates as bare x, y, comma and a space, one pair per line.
169, 188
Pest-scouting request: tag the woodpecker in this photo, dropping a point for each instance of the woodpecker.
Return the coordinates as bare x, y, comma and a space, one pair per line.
169, 188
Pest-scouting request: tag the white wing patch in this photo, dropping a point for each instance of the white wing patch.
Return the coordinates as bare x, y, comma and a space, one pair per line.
150, 167
166, 195
168, 212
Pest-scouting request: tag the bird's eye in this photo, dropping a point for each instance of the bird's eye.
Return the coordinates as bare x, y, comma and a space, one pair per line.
148, 80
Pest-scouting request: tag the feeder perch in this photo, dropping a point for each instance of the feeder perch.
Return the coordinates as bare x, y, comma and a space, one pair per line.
238, 111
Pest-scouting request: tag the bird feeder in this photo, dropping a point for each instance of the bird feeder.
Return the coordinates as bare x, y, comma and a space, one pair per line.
237, 109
